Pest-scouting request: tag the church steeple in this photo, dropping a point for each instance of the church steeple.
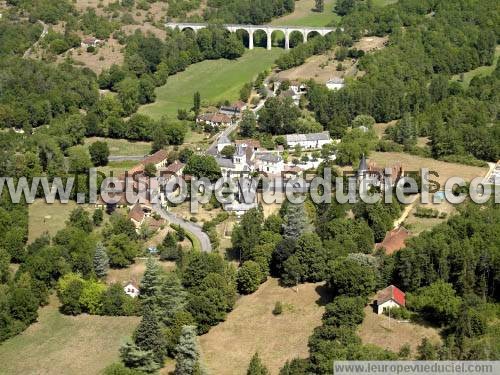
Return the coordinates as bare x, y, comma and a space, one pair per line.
363, 166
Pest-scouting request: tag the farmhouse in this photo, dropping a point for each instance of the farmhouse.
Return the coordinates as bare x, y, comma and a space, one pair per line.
91, 42
214, 119
158, 159
131, 290
390, 297
234, 109
335, 83
308, 141
173, 170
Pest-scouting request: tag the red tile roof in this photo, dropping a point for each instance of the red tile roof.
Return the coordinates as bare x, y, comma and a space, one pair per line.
394, 240
218, 118
175, 167
136, 213
391, 293
156, 158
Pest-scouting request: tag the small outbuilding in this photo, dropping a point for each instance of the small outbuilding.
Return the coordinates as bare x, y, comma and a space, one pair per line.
131, 290
389, 298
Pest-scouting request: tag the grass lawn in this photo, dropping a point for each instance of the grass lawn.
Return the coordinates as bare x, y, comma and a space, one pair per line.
134, 272
59, 344
251, 326
481, 71
117, 167
216, 80
122, 147
304, 15
45, 217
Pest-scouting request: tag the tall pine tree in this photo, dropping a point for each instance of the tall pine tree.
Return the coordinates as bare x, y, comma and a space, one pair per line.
133, 357
101, 261
296, 221
256, 367
188, 354
151, 282
172, 297
148, 336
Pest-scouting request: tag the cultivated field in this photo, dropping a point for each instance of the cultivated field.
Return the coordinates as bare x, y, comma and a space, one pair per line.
252, 327
392, 335
216, 80
418, 225
415, 163
304, 15
59, 344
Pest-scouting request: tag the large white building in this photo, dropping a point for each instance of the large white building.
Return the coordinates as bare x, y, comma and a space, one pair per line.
308, 141
335, 83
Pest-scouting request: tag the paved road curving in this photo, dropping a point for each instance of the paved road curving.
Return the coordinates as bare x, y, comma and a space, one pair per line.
196, 230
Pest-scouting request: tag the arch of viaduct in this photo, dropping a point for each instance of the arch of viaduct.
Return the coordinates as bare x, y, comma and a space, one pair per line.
251, 29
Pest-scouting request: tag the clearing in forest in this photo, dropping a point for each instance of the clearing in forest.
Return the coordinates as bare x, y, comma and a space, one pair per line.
251, 326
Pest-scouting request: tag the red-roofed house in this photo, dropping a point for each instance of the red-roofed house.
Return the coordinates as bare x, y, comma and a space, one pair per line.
394, 240
214, 119
390, 297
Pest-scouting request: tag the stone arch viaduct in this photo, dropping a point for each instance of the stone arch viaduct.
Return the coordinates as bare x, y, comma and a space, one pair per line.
251, 29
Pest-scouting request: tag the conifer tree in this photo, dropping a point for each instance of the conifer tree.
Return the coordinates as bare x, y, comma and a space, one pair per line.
101, 261
256, 367
148, 335
296, 221
151, 282
133, 357
188, 354
172, 297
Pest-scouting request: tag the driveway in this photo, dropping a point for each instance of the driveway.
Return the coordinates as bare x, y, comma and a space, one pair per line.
196, 230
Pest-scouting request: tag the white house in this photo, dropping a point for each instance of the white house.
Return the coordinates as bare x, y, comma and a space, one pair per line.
309, 141
131, 290
335, 83
389, 298
222, 142
270, 164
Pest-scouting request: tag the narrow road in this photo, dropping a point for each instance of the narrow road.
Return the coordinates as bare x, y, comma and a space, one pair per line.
212, 150
206, 246
126, 158
44, 32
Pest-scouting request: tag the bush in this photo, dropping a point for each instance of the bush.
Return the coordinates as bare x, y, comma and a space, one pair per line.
398, 313
249, 277
278, 308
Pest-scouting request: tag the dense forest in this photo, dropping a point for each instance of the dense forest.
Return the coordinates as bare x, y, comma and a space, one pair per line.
429, 42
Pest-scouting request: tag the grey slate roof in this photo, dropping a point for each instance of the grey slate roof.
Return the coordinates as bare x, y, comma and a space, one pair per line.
323, 136
270, 158
225, 163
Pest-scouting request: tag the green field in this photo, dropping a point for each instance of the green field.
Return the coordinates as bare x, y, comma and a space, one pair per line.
59, 344
122, 147
481, 71
216, 80
304, 15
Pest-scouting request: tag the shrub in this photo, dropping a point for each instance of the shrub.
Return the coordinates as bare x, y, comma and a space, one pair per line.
278, 308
